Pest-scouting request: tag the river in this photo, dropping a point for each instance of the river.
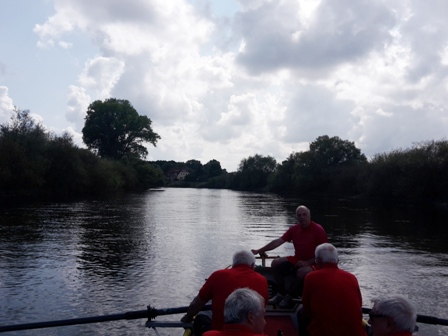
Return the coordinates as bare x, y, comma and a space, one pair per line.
100, 257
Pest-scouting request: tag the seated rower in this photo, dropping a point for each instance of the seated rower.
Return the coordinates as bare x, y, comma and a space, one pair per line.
219, 286
306, 235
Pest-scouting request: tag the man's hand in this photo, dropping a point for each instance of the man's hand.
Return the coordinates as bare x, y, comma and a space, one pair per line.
195, 307
186, 319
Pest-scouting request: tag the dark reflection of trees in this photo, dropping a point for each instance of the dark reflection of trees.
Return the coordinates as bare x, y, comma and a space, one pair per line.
113, 237
109, 234
261, 204
20, 230
19, 226
424, 227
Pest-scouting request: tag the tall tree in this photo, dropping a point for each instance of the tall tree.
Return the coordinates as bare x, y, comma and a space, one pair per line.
194, 169
333, 152
282, 179
212, 168
114, 129
253, 173
330, 162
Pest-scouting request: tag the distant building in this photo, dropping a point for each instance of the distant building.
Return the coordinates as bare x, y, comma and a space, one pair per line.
176, 174
182, 174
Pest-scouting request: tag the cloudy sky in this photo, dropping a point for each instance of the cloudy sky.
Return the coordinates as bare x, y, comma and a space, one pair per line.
228, 79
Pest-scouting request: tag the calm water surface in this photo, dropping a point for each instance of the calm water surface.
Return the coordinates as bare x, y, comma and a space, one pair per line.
69, 260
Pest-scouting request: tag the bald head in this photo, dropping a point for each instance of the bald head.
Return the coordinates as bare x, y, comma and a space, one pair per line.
303, 215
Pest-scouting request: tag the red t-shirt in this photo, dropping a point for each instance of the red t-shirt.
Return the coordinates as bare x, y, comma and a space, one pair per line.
222, 283
305, 240
332, 300
232, 330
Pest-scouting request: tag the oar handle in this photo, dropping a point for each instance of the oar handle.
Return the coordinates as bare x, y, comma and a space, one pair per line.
420, 318
431, 320
153, 312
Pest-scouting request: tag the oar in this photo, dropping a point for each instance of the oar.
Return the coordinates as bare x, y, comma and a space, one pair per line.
149, 313
420, 318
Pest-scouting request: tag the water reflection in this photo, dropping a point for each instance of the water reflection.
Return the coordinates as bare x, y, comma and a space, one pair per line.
111, 239
66, 260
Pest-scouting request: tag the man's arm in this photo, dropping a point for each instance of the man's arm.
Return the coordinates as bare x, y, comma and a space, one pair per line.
269, 246
195, 307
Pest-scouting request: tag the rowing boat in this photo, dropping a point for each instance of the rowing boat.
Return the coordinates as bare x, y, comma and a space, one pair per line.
279, 321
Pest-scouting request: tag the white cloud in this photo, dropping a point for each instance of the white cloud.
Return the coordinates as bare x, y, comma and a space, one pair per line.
240, 111
262, 77
76, 136
6, 105
38, 119
55, 26
77, 103
65, 45
100, 75
335, 32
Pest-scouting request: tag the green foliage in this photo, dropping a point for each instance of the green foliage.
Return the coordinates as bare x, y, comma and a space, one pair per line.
283, 179
65, 174
253, 173
195, 172
198, 174
148, 175
332, 152
35, 163
218, 182
325, 167
22, 164
114, 129
212, 169
166, 166
331, 166
110, 176
415, 173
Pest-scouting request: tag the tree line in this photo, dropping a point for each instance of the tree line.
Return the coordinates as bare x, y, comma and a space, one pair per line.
334, 167
35, 163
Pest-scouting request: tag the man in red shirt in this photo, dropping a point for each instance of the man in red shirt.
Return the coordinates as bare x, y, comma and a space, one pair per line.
306, 235
394, 316
220, 285
332, 302
244, 311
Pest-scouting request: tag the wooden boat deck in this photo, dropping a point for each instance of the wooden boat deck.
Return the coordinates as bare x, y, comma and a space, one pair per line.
279, 321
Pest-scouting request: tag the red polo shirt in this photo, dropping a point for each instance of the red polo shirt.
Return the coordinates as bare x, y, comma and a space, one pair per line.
332, 300
305, 240
222, 283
